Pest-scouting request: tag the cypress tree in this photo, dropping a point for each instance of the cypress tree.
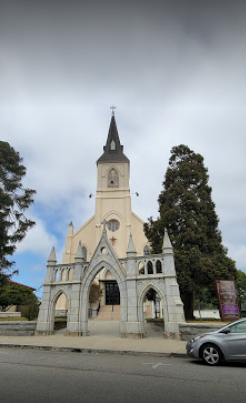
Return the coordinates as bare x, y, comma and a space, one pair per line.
188, 212
14, 201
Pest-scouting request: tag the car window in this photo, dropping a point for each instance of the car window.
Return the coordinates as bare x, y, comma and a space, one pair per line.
238, 328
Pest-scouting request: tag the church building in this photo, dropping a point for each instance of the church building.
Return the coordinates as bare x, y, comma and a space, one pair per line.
111, 250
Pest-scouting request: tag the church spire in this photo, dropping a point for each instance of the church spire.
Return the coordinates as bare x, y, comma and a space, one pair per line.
113, 150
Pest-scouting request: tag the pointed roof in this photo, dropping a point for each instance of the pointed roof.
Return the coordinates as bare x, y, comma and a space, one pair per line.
52, 257
79, 255
166, 246
113, 150
131, 248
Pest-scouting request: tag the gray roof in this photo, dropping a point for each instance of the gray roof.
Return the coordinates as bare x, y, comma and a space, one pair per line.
113, 155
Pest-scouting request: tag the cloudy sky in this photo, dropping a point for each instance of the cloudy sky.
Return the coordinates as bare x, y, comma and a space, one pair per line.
174, 69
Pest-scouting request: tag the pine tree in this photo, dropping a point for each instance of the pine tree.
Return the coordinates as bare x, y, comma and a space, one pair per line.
188, 212
14, 201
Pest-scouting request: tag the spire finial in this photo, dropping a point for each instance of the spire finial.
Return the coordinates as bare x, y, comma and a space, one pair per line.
105, 222
113, 108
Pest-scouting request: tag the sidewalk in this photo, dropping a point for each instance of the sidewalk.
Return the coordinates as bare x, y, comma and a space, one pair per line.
104, 337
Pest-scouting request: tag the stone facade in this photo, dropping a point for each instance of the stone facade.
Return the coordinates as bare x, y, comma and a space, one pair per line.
111, 246
133, 286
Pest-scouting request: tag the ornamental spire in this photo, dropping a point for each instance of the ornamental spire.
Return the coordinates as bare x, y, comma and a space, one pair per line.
113, 150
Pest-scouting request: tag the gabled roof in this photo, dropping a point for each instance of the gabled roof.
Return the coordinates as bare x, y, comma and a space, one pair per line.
113, 150
21, 285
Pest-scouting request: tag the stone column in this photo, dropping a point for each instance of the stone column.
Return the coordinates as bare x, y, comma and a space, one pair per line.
73, 324
45, 324
133, 326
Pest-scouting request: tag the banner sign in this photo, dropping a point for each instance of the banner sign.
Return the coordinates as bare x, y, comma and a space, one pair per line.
228, 301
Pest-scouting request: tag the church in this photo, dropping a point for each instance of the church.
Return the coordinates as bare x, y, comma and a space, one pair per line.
112, 251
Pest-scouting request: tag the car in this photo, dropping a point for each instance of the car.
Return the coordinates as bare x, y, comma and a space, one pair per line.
225, 344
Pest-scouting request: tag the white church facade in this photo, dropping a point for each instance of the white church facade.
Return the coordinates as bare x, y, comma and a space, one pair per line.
111, 249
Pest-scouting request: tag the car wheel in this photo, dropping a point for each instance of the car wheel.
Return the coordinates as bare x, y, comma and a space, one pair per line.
211, 354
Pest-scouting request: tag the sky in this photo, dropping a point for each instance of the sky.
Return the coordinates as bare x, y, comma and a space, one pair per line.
175, 70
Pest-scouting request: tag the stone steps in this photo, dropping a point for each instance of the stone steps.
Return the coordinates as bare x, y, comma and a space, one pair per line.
109, 312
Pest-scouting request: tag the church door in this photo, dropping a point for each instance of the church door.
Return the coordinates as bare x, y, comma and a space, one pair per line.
112, 293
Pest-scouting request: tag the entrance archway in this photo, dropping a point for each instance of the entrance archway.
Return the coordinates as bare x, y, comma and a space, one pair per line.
85, 288
151, 311
59, 311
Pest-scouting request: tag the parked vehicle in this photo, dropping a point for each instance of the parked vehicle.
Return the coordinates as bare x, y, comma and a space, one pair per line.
225, 344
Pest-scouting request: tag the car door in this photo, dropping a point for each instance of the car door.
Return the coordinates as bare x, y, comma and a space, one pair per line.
235, 341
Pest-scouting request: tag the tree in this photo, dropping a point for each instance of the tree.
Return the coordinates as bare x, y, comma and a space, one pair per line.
188, 212
241, 287
14, 201
15, 294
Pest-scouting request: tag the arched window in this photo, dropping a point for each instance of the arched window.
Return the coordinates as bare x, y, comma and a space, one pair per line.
112, 145
150, 268
146, 250
141, 268
113, 178
158, 267
70, 275
84, 251
57, 276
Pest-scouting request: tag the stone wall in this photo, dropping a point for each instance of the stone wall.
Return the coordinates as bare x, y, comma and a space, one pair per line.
9, 314
188, 330
17, 328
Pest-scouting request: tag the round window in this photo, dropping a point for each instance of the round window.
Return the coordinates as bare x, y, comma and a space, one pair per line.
113, 225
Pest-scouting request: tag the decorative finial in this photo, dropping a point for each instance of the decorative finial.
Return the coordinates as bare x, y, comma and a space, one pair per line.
113, 108
104, 225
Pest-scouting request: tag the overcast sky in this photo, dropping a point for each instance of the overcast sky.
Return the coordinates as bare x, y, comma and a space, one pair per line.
174, 69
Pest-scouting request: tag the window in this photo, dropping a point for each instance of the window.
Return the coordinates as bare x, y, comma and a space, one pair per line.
150, 268
141, 268
113, 225
113, 178
146, 250
158, 267
238, 328
112, 145
84, 251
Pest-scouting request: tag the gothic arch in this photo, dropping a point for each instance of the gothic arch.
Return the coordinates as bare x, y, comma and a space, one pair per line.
85, 288
142, 294
113, 178
57, 291
113, 214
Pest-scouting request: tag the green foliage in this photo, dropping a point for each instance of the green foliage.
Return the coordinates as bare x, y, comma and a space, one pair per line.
14, 201
95, 293
188, 212
13, 294
30, 311
241, 287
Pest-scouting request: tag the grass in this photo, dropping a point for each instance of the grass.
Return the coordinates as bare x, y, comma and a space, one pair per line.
13, 319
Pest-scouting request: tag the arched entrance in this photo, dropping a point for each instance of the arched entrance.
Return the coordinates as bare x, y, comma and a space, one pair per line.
151, 311
113, 270
59, 311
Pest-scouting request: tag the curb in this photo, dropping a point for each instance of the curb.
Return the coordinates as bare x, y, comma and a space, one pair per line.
89, 350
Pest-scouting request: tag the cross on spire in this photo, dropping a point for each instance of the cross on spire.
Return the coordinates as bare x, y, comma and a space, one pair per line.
113, 108
105, 222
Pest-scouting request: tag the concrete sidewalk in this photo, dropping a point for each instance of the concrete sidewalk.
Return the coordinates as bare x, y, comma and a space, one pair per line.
104, 337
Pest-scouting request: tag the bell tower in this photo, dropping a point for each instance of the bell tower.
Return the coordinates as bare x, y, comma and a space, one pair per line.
113, 201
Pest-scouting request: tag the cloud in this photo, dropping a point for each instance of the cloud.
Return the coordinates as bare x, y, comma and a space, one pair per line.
37, 241
176, 72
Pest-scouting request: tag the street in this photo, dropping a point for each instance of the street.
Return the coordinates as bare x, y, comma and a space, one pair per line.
34, 376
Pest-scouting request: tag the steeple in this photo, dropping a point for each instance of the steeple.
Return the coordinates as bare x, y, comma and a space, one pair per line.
113, 150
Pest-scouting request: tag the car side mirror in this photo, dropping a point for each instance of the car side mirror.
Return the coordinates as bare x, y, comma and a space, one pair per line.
225, 331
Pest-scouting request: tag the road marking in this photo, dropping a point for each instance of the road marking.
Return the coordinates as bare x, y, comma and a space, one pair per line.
154, 364
1, 352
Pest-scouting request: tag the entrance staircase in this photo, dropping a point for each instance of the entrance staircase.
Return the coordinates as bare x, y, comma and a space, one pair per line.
109, 312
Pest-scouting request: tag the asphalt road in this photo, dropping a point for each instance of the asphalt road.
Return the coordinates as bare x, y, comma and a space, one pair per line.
32, 376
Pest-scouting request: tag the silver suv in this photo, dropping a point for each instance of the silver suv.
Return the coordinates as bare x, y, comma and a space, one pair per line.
227, 343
